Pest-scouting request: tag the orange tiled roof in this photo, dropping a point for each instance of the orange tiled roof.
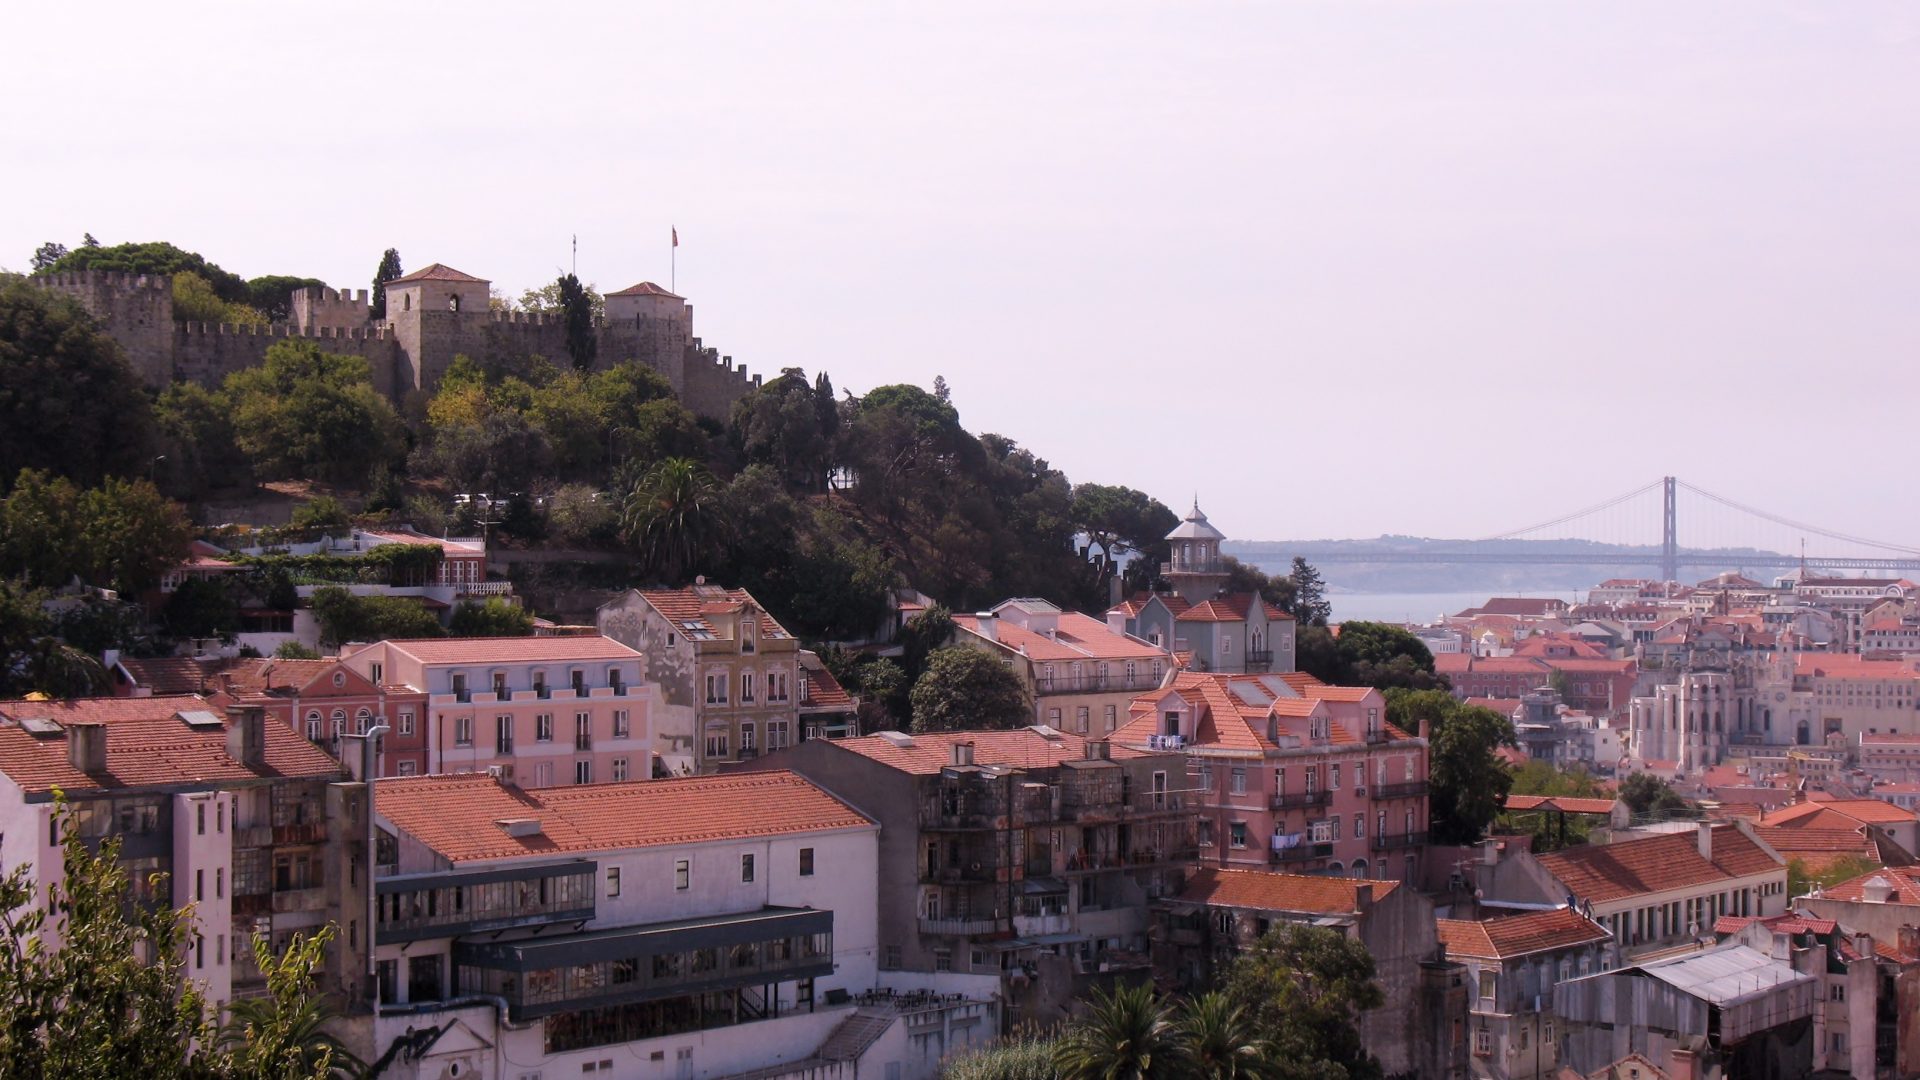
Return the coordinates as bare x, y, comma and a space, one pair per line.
647, 288
1519, 935
696, 603
1079, 637
1602, 872
1023, 748
1233, 712
488, 650
457, 816
148, 745
1831, 813
1850, 666
164, 675
1904, 879
820, 690
1261, 890
1565, 803
435, 272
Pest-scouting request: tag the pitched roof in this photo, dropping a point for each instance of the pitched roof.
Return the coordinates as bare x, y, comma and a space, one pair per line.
1230, 607
164, 675
647, 288
1262, 890
485, 650
148, 745
693, 608
1565, 803
1078, 637
1602, 872
1233, 712
1904, 879
1850, 666
1831, 813
1523, 606
926, 754
819, 690
1519, 935
459, 816
436, 272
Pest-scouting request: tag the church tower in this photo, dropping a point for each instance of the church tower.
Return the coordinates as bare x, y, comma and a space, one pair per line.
1195, 571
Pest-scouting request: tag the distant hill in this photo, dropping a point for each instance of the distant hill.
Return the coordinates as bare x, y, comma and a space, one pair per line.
1275, 556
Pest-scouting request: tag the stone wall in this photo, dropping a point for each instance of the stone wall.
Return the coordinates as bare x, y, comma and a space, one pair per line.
207, 353
341, 309
136, 310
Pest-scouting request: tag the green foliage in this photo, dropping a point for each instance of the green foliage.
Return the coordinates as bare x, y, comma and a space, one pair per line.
202, 608
197, 437
496, 617
1468, 781
195, 301
922, 634
503, 452
1802, 879
1025, 1055
674, 516
119, 535
94, 624
1223, 1041
47, 255
1119, 523
157, 258
1242, 578
577, 515
293, 650
583, 343
389, 270
1128, 1034
782, 425
272, 295
382, 564
282, 1035
33, 659
69, 404
322, 513
965, 688
1367, 654
1646, 793
305, 412
344, 617
1552, 830
1304, 987
1310, 604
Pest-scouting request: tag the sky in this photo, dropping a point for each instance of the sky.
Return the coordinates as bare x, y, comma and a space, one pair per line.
1340, 269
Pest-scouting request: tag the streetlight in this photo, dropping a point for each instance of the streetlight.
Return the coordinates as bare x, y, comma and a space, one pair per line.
369, 759
154, 464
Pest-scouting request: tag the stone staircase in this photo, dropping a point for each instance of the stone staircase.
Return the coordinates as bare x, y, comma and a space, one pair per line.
857, 1032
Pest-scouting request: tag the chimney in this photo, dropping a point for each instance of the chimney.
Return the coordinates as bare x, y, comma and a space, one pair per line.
987, 625
87, 745
1877, 890
1909, 940
963, 753
1706, 840
1863, 944
1680, 1065
247, 737
1423, 727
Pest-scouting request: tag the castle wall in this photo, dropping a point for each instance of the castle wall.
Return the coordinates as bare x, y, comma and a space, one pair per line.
340, 309
136, 310
206, 353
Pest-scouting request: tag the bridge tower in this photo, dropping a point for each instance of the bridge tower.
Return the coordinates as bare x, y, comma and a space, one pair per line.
1669, 536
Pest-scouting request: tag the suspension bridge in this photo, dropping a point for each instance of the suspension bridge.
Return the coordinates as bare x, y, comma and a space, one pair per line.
1640, 528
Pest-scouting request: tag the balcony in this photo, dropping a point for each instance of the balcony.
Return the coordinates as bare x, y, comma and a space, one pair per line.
1399, 841
1094, 684
1300, 800
1036, 925
1142, 804
418, 906
483, 588
1301, 853
1166, 742
290, 901
967, 810
968, 871
1259, 658
1377, 736
959, 927
1409, 790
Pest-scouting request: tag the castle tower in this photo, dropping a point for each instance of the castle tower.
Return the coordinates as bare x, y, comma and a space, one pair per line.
435, 313
1195, 571
648, 324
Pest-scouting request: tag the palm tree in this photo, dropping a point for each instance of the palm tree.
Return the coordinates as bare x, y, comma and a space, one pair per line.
1126, 1035
283, 1035
1222, 1042
675, 514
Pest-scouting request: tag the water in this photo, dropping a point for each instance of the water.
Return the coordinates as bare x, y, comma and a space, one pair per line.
1422, 607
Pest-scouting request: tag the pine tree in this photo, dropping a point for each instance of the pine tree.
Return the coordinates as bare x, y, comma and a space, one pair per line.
582, 343
1310, 604
389, 271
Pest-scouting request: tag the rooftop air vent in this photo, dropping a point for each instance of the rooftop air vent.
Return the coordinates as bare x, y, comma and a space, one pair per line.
520, 827
898, 738
200, 720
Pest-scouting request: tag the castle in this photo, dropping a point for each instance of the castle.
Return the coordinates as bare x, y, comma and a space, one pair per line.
433, 315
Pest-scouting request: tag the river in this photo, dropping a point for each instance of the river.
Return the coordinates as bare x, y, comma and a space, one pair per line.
1420, 607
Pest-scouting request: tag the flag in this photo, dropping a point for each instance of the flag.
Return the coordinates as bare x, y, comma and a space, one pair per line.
676, 236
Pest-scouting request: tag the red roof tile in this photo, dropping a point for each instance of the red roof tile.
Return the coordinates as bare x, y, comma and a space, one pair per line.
647, 288
928, 753
1078, 637
1519, 935
1904, 879
693, 607
458, 816
1260, 890
165, 675
512, 649
820, 690
148, 745
1602, 872
1565, 803
436, 272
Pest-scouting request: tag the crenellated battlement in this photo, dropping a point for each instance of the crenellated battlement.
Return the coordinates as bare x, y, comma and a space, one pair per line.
281, 330
95, 279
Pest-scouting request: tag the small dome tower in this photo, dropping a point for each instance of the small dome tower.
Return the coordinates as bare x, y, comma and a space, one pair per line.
1196, 571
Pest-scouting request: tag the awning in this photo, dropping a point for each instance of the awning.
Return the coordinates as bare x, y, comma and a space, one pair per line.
1042, 886
535, 954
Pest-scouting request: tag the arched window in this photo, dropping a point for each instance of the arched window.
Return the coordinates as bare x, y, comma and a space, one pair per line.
362, 720
339, 722
453, 302
406, 302
313, 725
1359, 868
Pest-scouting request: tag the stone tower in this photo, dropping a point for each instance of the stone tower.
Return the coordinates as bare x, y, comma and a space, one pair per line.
1195, 571
435, 314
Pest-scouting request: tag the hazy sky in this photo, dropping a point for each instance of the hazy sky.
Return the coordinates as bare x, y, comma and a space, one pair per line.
1343, 268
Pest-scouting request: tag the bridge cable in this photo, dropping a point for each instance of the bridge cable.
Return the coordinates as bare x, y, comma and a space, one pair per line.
1563, 519
1802, 526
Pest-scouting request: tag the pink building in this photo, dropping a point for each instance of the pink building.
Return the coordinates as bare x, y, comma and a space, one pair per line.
1292, 773
543, 710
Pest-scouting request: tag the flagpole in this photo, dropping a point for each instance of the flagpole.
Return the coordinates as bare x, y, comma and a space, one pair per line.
673, 263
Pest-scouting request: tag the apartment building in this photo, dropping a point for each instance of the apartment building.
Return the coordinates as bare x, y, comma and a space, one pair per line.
1652, 893
1417, 1031
245, 820
1080, 675
1291, 774
1028, 855
728, 674
1513, 963
544, 711
684, 928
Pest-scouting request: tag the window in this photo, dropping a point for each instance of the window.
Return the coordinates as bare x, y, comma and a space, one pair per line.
200, 952
746, 868
1203, 835
622, 727
1053, 718
200, 819
503, 734
219, 882
613, 881
1488, 983
543, 728
1333, 778
362, 720
777, 735
806, 862
219, 817
716, 689
409, 768
579, 680
1837, 992
1239, 780
1483, 1043
943, 959
406, 721
1206, 778
1111, 714
583, 772
747, 743
619, 769
1082, 716
1237, 834
746, 686
375, 673
890, 960
1359, 826
463, 731
719, 742
776, 686
682, 875
199, 886
583, 731
339, 722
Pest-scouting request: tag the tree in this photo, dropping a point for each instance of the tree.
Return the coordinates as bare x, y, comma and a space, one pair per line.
1242, 578
1305, 988
964, 688
47, 255
195, 301
69, 404
1367, 654
1024, 1055
344, 617
583, 341
579, 515
305, 412
1646, 793
1803, 879
1468, 781
293, 650
283, 1036
1128, 1034
1118, 523
1310, 604
495, 617
1222, 1041
778, 425
923, 634
157, 259
322, 513
389, 271
272, 295
501, 453
196, 432
133, 535
675, 516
